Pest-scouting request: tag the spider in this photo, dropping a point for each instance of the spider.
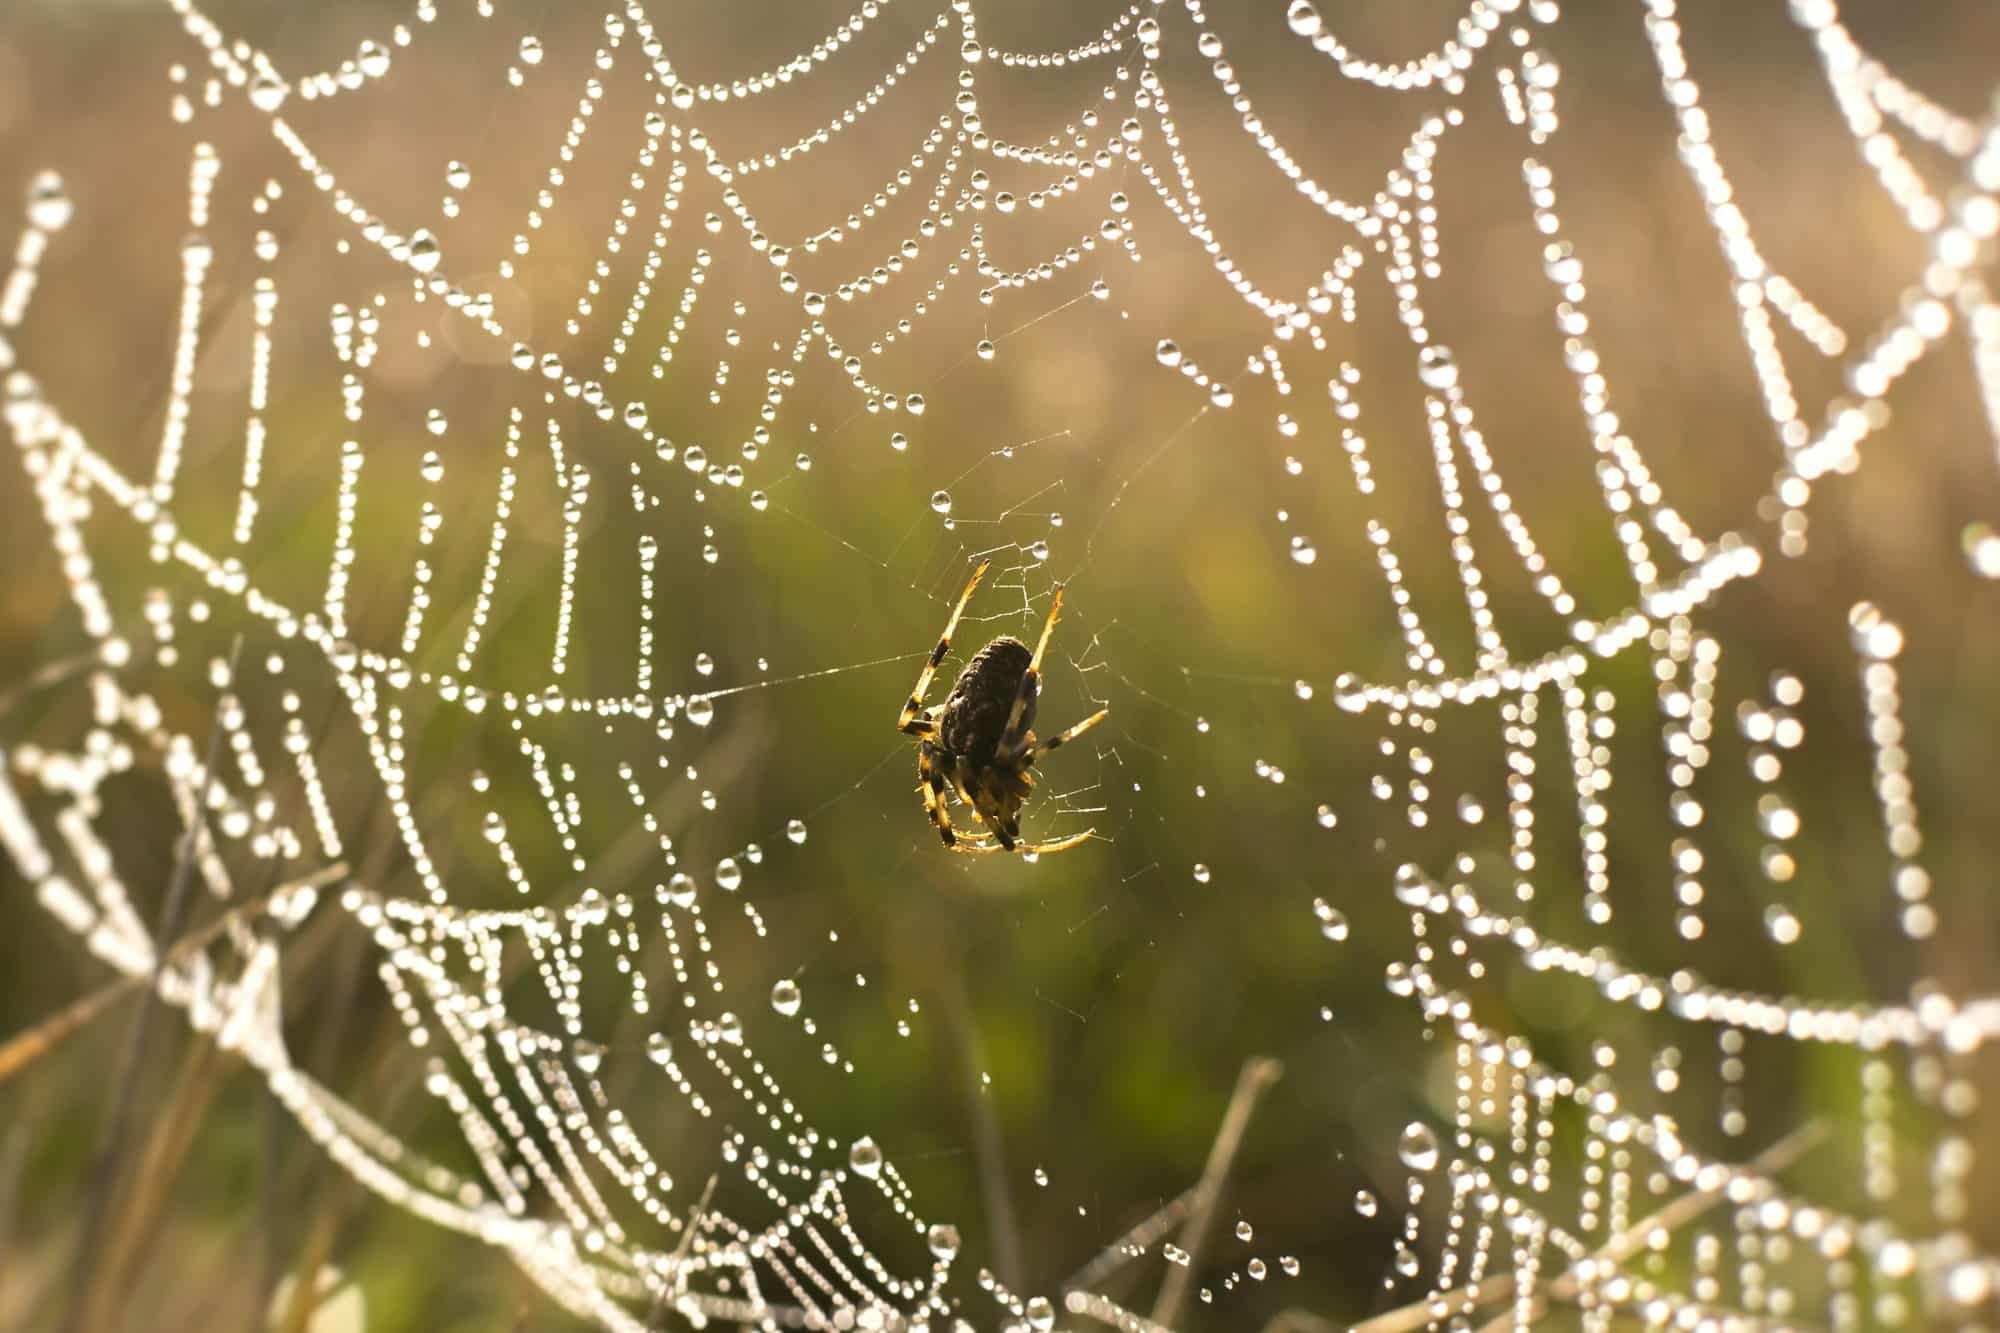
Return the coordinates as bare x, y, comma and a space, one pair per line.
979, 743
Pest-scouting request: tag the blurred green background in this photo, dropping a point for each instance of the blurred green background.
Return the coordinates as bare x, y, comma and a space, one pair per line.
1109, 995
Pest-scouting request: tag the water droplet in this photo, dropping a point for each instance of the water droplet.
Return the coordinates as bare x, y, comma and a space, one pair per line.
864, 1158
1303, 18
730, 1028
49, 203
1243, 1231
1303, 551
728, 874
635, 415
1041, 1177
457, 175
267, 92
1201, 873
914, 404
796, 830
971, 52
941, 502
1131, 131
531, 50
1364, 1203
1418, 1147
704, 664
1039, 549
943, 1241
1436, 368
1167, 352
522, 357
785, 997
424, 253
587, 1055
434, 422
1982, 549
1041, 1315
1327, 816
432, 467
701, 710
683, 97
373, 58
1332, 923
494, 827
680, 889
660, 1049
984, 349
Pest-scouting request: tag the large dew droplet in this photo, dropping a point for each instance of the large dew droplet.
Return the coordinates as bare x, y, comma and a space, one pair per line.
943, 1241
864, 1158
49, 207
1303, 18
941, 502
1303, 551
1418, 1147
785, 997
531, 50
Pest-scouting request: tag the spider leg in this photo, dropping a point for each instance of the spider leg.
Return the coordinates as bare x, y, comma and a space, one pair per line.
1031, 684
1058, 845
931, 787
1041, 748
910, 720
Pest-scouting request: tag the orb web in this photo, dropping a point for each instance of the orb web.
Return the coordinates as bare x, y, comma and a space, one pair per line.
504, 640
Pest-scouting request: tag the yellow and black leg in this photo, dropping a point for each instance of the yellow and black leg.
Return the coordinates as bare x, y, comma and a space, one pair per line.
912, 720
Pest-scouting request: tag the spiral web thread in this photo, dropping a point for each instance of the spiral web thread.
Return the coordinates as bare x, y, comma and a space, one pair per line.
563, 1183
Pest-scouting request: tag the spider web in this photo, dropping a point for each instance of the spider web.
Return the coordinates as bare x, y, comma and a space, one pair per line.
465, 556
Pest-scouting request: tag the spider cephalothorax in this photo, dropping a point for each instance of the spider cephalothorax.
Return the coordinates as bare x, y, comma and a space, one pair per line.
979, 744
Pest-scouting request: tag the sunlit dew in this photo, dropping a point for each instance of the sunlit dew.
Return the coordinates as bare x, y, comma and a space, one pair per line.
1418, 1146
1365, 1204
531, 50
1038, 549
785, 997
700, 710
704, 665
941, 502
435, 423
864, 1158
1303, 18
943, 1241
728, 874
431, 467
897, 441
1201, 873
795, 830
1243, 1230
1303, 551
660, 1049
1167, 352
1326, 816
1332, 923
984, 349
1981, 544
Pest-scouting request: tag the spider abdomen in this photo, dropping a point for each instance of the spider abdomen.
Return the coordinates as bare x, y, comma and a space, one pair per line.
975, 715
